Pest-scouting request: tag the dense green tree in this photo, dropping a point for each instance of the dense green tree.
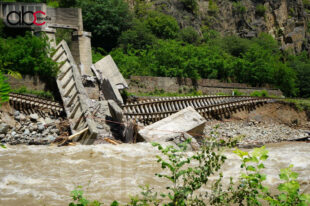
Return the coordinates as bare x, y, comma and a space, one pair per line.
301, 64
139, 36
190, 5
4, 89
163, 26
27, 55
106, 19
255, 62
189, 35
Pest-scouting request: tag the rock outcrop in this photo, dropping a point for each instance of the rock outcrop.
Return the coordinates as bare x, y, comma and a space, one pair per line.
286, 20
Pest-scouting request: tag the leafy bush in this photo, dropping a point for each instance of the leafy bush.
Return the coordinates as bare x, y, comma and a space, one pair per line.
97, 54
161, 25
301, 65
27, 55
260, 10
213, 8
106, 19
237, 92
262, 93
139, 36
257, 61
191, 5
77, 196
249, 189
189, 35
239, 8
4, 89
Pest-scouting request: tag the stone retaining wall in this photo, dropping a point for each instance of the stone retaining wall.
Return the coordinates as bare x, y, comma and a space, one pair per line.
30, 82
141, 84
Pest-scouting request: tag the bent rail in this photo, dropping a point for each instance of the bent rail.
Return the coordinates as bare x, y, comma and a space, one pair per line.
210, 107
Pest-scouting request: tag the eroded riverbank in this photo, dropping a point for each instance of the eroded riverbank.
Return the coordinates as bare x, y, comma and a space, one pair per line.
45, 175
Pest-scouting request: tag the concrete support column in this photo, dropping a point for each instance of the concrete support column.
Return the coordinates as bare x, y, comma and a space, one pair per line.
81, 51
50, 33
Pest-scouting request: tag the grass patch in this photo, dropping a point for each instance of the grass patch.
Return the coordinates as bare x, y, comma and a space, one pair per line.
39, 93
301, 104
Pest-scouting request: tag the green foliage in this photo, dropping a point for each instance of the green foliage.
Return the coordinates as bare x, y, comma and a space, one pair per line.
306, 3
301, 104
301, 65
239, 8
213, 8
260, 10
39, 93
189, 35
106, 19
289, 190
97, 54
161, 25
257, 61
249, 189
27, 55
4, 89
63, 34
53, 4
185, 180
237, 92
138, 37
190, 5
262, 93
80, 200
209, 36
141, 8
235, 46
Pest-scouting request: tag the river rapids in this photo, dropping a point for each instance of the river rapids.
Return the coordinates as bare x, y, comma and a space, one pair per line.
45, 175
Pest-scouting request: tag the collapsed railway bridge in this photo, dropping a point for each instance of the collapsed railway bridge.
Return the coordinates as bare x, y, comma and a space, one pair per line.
90, 93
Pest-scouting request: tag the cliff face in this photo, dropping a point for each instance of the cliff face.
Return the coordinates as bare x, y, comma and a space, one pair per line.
285, 20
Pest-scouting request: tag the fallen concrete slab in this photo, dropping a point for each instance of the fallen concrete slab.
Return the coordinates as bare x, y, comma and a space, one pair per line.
187, 120
109, 70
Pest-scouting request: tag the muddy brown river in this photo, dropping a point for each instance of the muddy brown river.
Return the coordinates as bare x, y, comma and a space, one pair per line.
45, 175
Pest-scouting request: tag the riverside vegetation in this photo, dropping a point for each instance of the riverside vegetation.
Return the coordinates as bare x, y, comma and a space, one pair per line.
186, 180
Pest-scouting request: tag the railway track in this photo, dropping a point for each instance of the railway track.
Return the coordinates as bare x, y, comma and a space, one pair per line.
152, 110
31, 104
210, 107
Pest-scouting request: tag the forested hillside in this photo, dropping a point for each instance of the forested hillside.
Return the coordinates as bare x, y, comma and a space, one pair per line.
247, 41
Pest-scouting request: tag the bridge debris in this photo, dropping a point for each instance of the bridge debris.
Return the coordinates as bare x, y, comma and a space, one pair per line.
183, 123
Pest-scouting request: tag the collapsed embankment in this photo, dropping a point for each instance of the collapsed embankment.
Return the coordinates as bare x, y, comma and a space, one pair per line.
271, 123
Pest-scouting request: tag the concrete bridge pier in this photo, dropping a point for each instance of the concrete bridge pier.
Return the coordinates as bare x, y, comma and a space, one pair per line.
81, 51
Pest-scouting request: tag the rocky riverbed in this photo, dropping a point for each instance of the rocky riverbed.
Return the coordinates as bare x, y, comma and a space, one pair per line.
253, 133
18, 128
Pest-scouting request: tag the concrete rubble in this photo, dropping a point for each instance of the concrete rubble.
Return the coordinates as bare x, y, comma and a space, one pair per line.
175, 128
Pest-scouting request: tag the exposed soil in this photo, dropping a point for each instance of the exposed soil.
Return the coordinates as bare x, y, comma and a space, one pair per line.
279, 112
